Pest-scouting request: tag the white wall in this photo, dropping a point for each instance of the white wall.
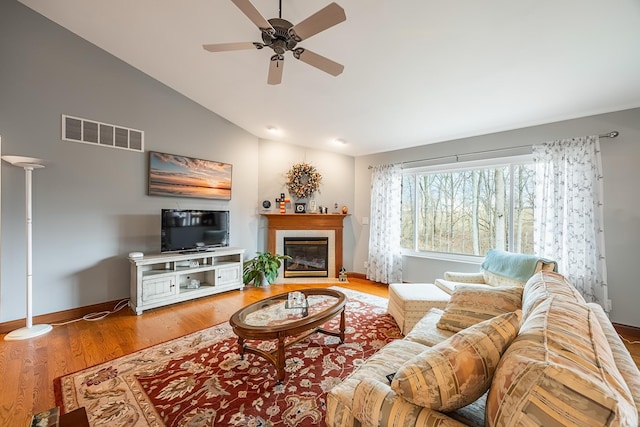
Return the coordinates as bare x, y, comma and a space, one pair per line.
620, 157
337, 185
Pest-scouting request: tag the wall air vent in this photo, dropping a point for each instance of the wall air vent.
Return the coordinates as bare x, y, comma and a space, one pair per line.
86, 131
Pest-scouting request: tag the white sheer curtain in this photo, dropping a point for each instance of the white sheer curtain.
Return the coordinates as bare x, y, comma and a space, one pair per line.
568, 212
385, 258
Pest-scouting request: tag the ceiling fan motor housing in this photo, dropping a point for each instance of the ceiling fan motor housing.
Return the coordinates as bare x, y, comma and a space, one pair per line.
282, 40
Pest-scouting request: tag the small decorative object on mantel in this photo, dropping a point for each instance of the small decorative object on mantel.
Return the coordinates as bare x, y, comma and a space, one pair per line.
283, 202
301, 207
345, 209
303, 180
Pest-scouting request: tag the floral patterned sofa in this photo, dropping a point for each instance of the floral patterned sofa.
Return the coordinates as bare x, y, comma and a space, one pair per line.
503, 356
499, 268
409, 302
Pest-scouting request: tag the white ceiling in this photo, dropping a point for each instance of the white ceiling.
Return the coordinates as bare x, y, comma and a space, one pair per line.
416, 71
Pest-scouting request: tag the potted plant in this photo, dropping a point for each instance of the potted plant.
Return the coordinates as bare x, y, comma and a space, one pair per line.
263, 269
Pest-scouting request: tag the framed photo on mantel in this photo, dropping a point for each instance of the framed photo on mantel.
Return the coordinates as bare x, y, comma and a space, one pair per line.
301, 207
181, 176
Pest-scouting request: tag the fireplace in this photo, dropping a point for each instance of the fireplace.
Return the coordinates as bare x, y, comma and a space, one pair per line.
307, 225
309, 257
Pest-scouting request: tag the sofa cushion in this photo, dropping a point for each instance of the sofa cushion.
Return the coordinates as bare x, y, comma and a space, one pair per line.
471, 304
426, 332
457, 371
449, 286
493, 279
544, 285
559, 371
386, 361
375, 404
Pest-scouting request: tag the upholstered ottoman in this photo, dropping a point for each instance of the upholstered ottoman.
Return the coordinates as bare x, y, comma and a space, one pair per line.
409, 302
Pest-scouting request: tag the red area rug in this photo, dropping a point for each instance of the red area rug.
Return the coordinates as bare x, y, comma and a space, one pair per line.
200, 380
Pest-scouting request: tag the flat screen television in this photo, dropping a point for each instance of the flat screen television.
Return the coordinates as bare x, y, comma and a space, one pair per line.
185, 230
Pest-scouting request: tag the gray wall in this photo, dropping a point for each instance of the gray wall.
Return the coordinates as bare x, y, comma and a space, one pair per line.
622, 206
90, 203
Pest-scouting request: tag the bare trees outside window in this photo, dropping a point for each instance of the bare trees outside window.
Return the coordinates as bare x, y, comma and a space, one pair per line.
469, 209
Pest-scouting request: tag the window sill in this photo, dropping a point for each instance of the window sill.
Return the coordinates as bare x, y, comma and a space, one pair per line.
440, 256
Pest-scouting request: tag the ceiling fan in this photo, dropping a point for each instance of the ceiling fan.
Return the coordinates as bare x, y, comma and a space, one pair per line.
282, 36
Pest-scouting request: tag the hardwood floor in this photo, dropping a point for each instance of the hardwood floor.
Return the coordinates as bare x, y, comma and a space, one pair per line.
633, 345
28, 368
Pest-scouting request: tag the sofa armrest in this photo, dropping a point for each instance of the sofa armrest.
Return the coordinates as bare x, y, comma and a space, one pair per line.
376, 404
624, 361
464, 277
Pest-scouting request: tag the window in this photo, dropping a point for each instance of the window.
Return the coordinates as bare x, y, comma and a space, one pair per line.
469, 208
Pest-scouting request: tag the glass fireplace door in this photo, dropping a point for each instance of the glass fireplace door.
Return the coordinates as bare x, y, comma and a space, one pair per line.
309, 256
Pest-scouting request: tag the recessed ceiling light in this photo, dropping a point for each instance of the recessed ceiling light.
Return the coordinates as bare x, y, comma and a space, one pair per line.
340, 141
273, 129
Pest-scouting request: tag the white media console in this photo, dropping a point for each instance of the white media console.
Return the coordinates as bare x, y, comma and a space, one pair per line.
163, 279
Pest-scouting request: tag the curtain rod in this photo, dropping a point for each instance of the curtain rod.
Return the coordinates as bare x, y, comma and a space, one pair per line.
612, 134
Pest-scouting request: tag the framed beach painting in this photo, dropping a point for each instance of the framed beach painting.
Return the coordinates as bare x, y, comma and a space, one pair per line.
181, 176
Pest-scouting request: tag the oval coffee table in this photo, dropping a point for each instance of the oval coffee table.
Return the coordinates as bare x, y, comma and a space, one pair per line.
271, 318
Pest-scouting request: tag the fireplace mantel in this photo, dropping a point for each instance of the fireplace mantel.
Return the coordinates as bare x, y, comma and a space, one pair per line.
295, 221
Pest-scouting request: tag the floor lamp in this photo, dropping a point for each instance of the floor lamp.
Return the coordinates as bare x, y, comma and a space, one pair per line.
31, 330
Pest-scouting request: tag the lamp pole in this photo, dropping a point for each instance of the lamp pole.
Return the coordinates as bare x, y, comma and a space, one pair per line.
30, 330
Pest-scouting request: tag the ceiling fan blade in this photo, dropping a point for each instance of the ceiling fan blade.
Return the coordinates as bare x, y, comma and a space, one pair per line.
255, 16
275, 70
318, 61
319, 21
224, 47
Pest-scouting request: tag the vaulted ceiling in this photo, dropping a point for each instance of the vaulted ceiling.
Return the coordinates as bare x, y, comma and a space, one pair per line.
415, 71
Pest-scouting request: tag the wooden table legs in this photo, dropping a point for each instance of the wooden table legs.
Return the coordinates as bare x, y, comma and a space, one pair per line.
280, 361
277, 357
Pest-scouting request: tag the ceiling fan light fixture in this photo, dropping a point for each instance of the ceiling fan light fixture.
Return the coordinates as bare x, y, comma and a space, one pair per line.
278, 48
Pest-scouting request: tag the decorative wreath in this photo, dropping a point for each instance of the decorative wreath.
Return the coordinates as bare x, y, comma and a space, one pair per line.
303, 180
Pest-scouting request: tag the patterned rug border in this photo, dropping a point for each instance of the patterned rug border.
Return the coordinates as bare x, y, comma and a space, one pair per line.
187, 343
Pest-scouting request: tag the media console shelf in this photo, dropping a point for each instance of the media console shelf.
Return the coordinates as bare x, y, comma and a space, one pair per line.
163, 279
